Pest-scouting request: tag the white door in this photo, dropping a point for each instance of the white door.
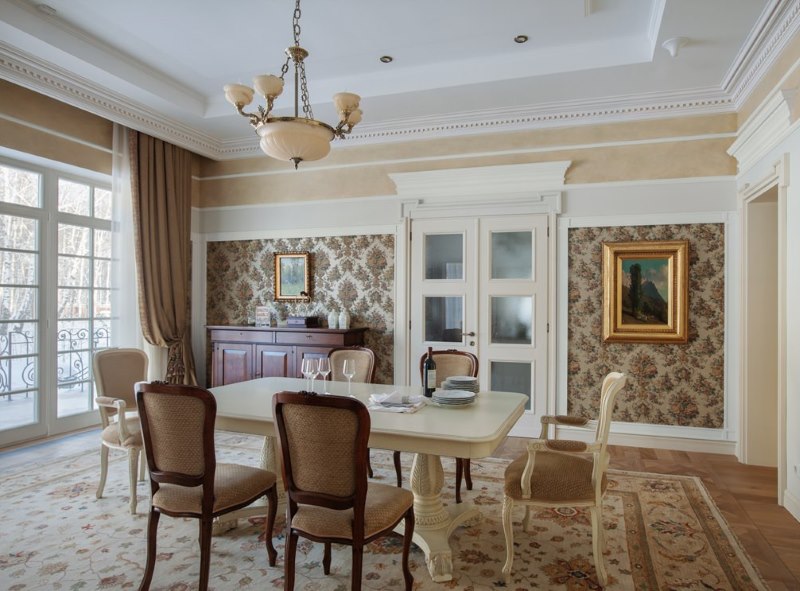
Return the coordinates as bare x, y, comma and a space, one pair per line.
480, 285
444, 287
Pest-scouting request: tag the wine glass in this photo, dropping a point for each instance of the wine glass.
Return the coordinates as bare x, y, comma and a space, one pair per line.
348, 371
308, 369
323, 369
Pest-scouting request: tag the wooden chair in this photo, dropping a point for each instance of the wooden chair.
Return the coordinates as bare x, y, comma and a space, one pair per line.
329, 500
185, 479
364, 359
451, 362
563, 473
116, 371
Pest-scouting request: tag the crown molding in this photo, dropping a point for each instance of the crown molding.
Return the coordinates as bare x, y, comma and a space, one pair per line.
779, 22
50, 80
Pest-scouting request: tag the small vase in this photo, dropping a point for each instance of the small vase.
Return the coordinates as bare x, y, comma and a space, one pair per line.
344, 319
332, 319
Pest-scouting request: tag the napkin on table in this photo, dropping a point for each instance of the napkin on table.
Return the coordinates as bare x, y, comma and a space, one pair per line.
395, 402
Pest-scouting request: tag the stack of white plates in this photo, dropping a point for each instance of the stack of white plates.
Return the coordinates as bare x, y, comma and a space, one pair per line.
467, 383
453, 397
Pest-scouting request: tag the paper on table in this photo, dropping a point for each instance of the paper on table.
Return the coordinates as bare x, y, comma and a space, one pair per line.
395, 402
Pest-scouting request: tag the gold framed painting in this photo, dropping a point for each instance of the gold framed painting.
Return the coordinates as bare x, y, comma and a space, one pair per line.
292, 277
646, 291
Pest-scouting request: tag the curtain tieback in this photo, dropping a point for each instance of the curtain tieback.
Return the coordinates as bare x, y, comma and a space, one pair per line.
176, 370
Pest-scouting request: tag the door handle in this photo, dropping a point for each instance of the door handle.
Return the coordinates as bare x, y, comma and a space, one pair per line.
468, 334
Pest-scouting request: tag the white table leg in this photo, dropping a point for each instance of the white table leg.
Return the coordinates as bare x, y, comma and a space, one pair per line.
433, 522
268, 461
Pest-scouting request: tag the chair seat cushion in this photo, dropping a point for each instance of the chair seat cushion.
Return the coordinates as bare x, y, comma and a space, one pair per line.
557, 477
110, 436
233, 484
385, 506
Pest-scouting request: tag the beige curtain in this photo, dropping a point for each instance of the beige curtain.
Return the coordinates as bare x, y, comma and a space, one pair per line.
161, 185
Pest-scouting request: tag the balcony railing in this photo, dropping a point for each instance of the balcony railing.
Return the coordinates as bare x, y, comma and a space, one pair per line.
19, 357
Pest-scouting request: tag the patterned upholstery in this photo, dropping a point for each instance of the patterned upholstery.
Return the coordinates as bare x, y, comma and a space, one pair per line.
385, 506
556, 477
116, 371
563, 473
324, 447
232, 483
185, 480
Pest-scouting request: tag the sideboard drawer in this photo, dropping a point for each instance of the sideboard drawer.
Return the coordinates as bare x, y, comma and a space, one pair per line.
310, 338
243, 336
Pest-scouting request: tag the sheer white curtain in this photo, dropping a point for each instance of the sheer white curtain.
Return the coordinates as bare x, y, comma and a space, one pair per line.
126, 330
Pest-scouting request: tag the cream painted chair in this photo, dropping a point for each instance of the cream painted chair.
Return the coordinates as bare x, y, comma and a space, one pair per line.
116, 371
563, 473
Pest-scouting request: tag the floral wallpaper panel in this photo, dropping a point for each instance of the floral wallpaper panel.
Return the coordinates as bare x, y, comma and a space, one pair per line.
668, 384
354, 273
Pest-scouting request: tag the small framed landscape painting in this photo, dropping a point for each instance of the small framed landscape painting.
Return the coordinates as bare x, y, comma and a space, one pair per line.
292, 276
645, 291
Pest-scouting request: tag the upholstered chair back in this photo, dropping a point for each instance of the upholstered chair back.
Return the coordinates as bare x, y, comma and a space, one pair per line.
364, 360
116, 371
324, 446
451, 363
612, 384
178, 429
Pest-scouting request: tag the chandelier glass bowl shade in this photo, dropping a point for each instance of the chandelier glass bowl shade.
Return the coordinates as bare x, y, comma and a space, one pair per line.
300, 137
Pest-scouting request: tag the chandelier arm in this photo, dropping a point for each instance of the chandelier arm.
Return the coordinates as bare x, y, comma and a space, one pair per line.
253, 117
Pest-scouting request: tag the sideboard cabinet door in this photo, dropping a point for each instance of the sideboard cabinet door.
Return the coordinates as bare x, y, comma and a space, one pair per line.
233, 362
274, 361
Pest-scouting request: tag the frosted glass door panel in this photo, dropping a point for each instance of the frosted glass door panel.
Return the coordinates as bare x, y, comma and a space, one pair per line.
511, 320
512, 376
444, 319
444, 256
512, 255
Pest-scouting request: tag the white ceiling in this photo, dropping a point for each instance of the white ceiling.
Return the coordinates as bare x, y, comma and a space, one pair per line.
160, 65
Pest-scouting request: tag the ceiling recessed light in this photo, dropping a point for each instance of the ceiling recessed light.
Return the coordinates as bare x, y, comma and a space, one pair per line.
386, 59
520, 39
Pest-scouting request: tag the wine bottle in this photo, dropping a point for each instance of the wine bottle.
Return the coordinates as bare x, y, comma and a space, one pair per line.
429, 374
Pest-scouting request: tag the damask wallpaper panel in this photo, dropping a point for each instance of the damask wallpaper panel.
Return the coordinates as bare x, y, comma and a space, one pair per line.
355, 273
668, 384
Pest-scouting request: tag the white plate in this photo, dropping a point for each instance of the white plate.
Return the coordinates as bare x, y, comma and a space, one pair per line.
465, 379
445, 396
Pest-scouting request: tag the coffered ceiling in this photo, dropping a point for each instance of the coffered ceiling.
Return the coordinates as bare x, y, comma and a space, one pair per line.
160, 66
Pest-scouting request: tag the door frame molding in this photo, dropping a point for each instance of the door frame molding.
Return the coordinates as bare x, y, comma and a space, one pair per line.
778, 178
535, 188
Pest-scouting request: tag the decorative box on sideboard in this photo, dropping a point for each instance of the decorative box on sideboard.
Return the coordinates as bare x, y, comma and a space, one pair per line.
241, 353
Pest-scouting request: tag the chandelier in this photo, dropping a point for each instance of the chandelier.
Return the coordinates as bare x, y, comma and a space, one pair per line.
300, 137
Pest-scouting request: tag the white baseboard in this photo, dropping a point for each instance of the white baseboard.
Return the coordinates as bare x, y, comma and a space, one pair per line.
791, 503
658, 440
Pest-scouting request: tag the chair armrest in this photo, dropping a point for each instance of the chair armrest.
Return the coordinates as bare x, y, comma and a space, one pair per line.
571, 421
564, 420
566, 445
120, 409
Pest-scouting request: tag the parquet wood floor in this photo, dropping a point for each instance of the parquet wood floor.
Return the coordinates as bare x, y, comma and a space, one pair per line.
746, 496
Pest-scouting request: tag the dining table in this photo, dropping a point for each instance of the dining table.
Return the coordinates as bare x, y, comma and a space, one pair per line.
467, 431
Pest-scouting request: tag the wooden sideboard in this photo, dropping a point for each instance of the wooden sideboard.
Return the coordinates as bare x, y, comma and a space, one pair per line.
241, 353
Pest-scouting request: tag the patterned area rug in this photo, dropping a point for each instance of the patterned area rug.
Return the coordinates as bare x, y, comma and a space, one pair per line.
663, 532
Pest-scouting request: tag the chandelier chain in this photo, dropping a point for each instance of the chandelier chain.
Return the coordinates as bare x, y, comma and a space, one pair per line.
296, 23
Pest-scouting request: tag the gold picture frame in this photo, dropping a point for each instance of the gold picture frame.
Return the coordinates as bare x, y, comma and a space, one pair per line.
292, 274
646, 291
